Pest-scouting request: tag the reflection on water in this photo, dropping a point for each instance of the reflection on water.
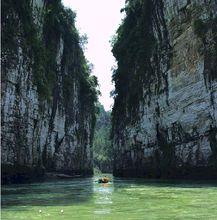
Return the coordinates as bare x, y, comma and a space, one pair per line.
103, 198
48, 194
85, 198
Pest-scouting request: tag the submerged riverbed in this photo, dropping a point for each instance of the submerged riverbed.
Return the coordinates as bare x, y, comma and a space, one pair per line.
84, 198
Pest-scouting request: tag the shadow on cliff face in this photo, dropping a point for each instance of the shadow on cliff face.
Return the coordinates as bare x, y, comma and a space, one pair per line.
53, 193
16, 174
21, 174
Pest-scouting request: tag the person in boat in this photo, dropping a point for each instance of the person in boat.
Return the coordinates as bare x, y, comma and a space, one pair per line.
103, 180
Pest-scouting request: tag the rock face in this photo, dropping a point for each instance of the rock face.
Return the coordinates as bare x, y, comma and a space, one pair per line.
173, 131
48, 110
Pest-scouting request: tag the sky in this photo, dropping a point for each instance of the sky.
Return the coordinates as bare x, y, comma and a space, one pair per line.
99, 19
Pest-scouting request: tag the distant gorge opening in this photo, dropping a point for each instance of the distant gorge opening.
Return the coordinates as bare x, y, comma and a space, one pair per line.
102, 148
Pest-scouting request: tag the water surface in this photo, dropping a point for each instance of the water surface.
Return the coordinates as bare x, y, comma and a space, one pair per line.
121, 199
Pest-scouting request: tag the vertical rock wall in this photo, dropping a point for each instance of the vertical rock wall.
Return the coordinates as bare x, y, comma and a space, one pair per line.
175, 131
52, 133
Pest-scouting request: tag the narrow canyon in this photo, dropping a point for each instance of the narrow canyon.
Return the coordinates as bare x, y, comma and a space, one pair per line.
164, 118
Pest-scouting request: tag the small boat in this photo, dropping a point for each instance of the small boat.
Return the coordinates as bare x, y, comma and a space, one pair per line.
103, 180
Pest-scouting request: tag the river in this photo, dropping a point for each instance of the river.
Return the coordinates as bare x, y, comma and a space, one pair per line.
84, 198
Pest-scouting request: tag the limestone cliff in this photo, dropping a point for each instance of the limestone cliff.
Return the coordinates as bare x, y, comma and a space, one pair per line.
165, 111
48, 95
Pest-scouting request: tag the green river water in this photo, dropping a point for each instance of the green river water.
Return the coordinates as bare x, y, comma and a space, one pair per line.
84, 198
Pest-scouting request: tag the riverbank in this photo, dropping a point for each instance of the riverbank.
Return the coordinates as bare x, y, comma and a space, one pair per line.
24, 174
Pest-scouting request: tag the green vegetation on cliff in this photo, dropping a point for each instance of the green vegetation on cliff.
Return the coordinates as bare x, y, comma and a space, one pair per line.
102, 144
19, 30
132, 47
